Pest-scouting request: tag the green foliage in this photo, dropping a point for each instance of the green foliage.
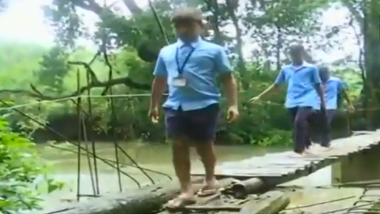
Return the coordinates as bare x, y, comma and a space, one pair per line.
264, 124
22, 172
271, 25
53, 69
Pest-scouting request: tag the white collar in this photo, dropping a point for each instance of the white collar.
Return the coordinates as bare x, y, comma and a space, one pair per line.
180, 43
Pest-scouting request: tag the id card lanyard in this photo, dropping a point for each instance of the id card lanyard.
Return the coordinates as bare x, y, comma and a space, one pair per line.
180, 68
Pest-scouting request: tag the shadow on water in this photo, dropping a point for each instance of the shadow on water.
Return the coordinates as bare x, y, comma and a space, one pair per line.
153, 156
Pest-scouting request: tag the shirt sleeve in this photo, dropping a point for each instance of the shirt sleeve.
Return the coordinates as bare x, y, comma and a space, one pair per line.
315, 78
160, 68
222, 63
280, 79
341, 85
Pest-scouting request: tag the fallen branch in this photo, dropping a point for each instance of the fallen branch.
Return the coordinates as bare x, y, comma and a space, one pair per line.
88, 68
118, 81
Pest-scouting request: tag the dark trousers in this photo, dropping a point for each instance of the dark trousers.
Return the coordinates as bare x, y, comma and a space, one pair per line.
197, 125
307, 121
324, 134
301, 117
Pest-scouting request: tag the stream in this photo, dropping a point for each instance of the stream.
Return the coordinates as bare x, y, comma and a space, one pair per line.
156, 157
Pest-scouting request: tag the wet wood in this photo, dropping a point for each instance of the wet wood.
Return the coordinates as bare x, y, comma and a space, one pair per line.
208, 208
369, 202
293, 212
269, 203
274, 169
244, 178
145, 200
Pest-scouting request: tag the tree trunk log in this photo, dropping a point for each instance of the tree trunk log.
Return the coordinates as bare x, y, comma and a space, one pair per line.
293, 212
242, 189
142, 201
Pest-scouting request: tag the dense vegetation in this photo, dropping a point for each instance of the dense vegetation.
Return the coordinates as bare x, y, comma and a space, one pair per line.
263, 123
23, 175
123, 60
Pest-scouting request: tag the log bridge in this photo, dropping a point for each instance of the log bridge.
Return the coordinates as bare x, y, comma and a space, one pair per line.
246, 183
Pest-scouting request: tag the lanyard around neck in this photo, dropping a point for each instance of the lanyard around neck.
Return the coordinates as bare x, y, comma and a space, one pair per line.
180, 68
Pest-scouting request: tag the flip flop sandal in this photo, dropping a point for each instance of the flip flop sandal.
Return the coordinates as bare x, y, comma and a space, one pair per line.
205, 191
295, 156
179, 202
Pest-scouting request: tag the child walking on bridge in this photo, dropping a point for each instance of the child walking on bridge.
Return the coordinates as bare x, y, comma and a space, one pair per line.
304, 88
333, 87
189, 67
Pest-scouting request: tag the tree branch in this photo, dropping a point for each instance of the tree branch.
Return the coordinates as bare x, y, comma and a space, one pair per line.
93, 6
88, 68
118, 81
94, 83
132, 6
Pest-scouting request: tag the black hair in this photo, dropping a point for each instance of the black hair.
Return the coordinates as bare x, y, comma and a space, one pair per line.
297, 48
323, 68
187, 14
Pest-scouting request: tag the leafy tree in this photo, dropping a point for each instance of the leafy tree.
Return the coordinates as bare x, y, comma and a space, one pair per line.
53, 69
127, 47
22, 173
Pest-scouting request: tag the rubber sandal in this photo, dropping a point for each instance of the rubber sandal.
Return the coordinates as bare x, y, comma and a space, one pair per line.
179, 202
205, 191
296, 155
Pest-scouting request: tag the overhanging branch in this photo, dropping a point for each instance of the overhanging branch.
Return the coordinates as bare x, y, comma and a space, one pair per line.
94, 83
106, 84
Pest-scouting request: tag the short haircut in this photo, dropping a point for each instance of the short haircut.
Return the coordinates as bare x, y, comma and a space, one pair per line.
297, 48
323, 68
187, 14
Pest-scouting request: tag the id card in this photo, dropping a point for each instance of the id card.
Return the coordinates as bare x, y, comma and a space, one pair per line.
179, 82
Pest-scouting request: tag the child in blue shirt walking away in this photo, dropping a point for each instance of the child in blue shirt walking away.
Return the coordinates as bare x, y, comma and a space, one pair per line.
333, 88
304, 88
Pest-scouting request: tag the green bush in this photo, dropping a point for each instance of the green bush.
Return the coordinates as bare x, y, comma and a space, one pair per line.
22, 173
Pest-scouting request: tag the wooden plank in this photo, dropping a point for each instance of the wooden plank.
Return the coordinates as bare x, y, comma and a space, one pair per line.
283, 167
272, 202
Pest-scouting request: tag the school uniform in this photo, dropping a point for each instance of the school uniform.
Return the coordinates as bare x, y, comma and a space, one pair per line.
333, 86
301, 99
192, 107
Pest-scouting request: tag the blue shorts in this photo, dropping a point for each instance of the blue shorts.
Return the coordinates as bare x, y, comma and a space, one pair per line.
196, 125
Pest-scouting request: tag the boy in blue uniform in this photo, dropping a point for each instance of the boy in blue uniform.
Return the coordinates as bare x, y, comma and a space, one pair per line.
334, 87
304, 88
190, 67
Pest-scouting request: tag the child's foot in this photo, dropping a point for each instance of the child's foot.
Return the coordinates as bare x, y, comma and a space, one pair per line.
322, 148
182, 200
296, 155
210, 188
309, 153
325, 148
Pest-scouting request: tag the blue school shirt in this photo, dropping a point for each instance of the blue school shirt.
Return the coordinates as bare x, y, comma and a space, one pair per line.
206, 62
302, 81
333, 87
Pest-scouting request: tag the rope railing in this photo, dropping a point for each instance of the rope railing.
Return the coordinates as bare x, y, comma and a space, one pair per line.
76, 97
143, 95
